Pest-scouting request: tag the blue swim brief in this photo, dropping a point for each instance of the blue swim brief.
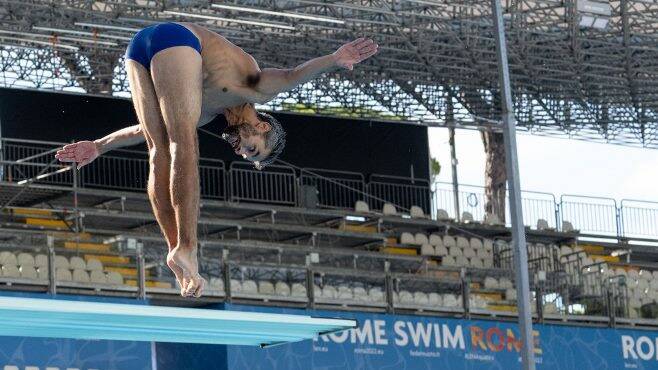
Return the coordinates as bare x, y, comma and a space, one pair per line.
147, 42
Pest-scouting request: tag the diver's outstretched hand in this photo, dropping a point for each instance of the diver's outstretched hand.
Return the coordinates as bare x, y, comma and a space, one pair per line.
82, 153
355, 52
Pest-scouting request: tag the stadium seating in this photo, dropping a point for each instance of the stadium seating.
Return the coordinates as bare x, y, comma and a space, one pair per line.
361, 206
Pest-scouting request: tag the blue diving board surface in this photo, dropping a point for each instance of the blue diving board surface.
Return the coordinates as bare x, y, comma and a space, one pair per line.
53, 318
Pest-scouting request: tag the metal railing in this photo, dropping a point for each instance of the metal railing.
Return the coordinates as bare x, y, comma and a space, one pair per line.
336, 189
274, 184
24, 161
639, 218
591, 214
401, 191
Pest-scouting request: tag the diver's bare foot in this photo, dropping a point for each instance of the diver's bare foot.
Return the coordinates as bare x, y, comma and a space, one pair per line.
178, 272
186, 259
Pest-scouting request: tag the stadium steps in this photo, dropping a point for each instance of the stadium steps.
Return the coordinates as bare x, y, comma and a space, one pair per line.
501, 307
31, 212
405, 251
88, 246
126, 271
108, 259
609, 259
70, 235
46, 222
150, 283
366, 229
488, 295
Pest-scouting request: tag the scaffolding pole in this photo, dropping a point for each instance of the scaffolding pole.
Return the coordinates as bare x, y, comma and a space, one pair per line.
516, 212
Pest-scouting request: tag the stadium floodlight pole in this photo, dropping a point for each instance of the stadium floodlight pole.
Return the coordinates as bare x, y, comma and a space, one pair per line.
514, 184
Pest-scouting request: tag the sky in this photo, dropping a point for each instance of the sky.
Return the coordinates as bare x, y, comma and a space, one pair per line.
558, 166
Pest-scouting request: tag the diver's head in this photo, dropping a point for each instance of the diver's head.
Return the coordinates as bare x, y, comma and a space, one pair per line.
257, 137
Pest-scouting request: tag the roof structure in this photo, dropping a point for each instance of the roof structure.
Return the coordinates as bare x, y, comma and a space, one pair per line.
582, 68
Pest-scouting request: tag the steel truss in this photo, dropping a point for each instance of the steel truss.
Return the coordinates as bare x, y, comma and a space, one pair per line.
584, 82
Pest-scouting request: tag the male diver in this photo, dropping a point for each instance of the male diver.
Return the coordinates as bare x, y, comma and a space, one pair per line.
181, 76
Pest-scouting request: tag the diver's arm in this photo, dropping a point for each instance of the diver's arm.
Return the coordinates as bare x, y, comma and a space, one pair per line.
273, 81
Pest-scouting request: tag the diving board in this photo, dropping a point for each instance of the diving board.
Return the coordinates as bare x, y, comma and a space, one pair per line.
53, 318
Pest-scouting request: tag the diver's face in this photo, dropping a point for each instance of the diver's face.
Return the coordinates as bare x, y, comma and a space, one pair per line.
247, 142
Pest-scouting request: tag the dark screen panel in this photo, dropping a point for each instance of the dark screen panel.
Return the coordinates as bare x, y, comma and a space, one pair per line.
313, 141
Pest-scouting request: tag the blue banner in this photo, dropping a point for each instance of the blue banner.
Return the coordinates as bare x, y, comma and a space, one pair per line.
63, 354
399, 342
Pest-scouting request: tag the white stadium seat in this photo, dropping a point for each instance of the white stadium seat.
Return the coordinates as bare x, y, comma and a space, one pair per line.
482, 253
488, 244
41, 260
389, 210
476, 262
491, 283
215, 283
467, 217
501, 244
448, 261
80, 276
510, 294
542, 224
8, 258
265, 287
404, 296
236, 286
461, 261
25, 259
469, 252
456, 251
345, 292
97, 277
407, 238
488, 262
506, 283
42, 273
361, 206
360, 294
317, 291
463, 242
298, 290
416, 212
329, 292
451, 301
476, 243
62, 274
10, 271
441, 251
61, 262
436, 240
442, 215
28, 272
449, 241
567, 227
114, 278
421, 298
249, 287
427, 250
77, 263
435, 299
281, 288
94, 265
420, 239
376, 294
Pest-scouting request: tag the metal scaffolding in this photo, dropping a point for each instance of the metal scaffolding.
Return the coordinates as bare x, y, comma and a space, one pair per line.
581, 68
